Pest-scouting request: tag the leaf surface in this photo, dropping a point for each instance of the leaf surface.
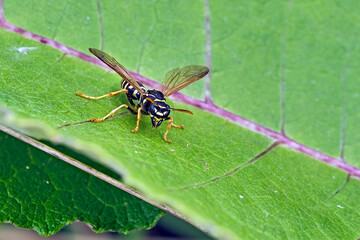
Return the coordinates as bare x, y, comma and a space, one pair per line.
277, 64
43, 193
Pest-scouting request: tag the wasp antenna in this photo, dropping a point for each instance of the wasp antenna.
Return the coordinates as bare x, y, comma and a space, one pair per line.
182, 110
150, 100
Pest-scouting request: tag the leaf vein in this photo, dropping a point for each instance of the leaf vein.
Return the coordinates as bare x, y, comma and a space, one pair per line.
235, 170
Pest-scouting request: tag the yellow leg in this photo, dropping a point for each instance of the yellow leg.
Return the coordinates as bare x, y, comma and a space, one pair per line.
177, 126
109, 115
138, 120
106, 95
171, 124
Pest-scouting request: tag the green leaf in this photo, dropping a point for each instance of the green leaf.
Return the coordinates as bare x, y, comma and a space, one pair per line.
44, 193
266, 44
279, 65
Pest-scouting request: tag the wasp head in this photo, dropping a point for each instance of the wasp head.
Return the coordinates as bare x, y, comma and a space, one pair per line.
159, 113
156, 122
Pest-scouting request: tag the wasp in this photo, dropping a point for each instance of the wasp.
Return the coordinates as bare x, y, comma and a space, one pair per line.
149, 102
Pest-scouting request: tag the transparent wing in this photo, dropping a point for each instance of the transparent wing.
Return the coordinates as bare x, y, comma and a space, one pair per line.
117, 67
179, 78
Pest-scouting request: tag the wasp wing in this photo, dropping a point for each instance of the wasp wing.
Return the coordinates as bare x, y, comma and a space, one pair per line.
117, 67
179, 78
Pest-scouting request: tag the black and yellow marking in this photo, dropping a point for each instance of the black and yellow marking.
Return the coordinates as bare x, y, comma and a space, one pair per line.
149, 102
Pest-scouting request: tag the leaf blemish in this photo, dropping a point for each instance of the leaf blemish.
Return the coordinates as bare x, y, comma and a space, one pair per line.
25, 49
200, 160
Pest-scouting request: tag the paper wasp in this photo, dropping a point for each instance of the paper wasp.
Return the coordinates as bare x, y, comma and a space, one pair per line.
150, 102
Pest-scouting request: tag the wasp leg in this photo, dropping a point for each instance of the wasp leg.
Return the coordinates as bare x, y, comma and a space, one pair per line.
171, 124
132, 110
106, 95
177, 126
109, 115
138, 120
130, 101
